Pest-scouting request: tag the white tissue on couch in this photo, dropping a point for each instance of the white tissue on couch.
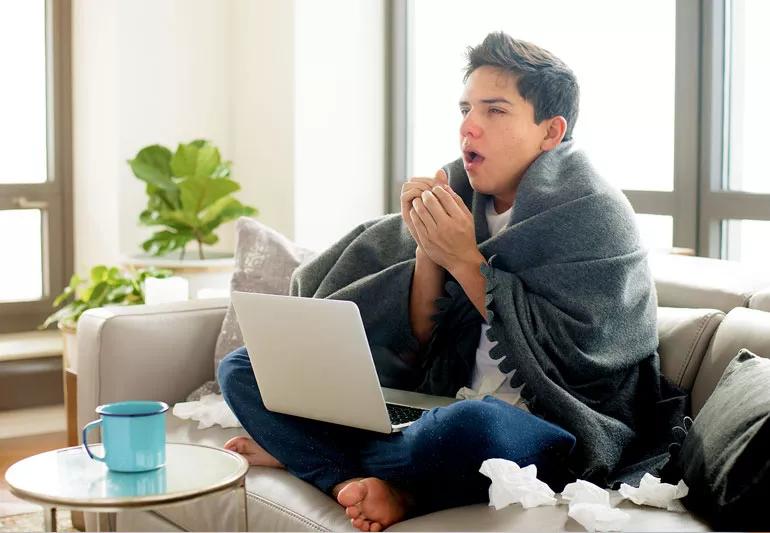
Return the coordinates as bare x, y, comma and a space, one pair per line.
598, 517
512, 484
589, 505
209, 410
652, 492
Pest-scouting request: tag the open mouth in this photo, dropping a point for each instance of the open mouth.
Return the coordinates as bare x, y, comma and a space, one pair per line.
472, 158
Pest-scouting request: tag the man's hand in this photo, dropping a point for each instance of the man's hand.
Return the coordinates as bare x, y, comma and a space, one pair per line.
413, 189
445, 229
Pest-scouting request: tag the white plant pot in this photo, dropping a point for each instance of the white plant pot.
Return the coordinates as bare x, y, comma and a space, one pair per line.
206, 277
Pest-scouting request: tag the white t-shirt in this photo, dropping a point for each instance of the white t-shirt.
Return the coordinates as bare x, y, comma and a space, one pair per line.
487, 378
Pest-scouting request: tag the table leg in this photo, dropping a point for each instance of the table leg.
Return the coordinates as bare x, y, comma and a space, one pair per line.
243, 515
106, 522
49, 518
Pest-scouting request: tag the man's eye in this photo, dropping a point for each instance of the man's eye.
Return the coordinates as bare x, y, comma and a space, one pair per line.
495, 110
463, 112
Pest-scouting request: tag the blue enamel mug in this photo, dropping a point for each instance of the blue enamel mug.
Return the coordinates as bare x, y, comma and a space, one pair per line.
133, 435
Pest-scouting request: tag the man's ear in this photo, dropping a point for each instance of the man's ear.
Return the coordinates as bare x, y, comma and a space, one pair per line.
556, 128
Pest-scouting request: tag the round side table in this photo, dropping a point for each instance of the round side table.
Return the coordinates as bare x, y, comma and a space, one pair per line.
69, 479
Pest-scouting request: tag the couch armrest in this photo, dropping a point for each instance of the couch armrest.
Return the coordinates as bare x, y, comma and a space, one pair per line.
145, 352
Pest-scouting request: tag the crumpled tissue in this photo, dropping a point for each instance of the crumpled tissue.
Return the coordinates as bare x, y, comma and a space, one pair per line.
511, 484
589, 505
652, 492
209, 410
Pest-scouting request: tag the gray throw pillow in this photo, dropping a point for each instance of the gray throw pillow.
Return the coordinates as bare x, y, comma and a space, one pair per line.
724, 458
264, 262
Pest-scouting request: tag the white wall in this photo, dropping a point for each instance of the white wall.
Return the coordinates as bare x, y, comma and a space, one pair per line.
261, 89
339, 117
95, 132
291, 92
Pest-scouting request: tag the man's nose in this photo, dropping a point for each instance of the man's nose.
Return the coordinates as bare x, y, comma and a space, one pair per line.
469, 127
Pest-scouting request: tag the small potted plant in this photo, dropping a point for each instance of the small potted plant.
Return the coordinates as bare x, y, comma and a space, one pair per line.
104, 286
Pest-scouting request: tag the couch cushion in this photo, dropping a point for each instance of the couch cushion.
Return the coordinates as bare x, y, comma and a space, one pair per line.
760, 300
724, 456
684, 336
701, 282
277, 501
741, 328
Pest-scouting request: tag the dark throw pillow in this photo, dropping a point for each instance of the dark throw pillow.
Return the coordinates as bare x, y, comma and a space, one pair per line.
725, 456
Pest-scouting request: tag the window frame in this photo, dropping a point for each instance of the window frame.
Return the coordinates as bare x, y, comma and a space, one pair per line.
54, 196
698, 204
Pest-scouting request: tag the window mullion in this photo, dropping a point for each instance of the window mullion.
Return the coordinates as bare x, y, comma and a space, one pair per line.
712, 125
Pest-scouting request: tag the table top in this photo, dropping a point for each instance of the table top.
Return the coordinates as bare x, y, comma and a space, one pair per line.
69, 478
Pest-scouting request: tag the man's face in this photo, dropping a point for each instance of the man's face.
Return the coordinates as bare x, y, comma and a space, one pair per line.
498, 135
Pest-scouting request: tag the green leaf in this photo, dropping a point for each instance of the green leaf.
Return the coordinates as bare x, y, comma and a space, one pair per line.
198, 159
98, 273
68, 291
158, 198
222, 171
152, 165
163, 242
209, 238
224, 210
199, 193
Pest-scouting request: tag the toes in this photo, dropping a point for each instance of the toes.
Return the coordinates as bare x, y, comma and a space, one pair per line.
376, 526
236, 444
361, 524
352, 493
353, 511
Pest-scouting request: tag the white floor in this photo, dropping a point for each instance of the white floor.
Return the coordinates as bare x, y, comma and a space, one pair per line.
32, 421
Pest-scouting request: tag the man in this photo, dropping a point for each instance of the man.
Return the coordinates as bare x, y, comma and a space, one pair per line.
525, 280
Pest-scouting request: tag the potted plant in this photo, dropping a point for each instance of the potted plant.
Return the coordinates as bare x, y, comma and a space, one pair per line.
189, 195
104, 286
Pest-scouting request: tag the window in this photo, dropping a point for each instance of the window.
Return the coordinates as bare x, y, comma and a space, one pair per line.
687, 80
736, 198
35, 227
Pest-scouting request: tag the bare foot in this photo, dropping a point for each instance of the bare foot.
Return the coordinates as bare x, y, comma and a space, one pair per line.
371, 503
253, 452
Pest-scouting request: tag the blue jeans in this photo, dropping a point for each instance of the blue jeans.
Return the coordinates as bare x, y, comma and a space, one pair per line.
436, 459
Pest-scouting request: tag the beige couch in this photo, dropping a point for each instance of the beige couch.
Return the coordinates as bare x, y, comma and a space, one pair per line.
163, 352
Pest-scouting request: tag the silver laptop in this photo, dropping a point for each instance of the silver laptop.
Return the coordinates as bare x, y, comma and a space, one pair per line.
311, 358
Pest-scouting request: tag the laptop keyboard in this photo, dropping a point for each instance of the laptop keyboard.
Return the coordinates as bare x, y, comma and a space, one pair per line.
401, 414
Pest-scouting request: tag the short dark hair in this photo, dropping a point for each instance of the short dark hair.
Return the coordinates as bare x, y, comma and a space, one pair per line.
542, 79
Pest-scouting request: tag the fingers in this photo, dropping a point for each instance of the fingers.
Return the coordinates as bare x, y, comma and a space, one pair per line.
419, 227
441, 177
424, 213
452, 203
411, 190
434, 207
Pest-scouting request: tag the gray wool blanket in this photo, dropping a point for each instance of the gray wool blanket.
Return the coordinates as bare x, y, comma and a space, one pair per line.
570, 301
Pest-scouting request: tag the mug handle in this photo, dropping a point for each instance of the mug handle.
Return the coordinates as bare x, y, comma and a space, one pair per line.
86, 429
